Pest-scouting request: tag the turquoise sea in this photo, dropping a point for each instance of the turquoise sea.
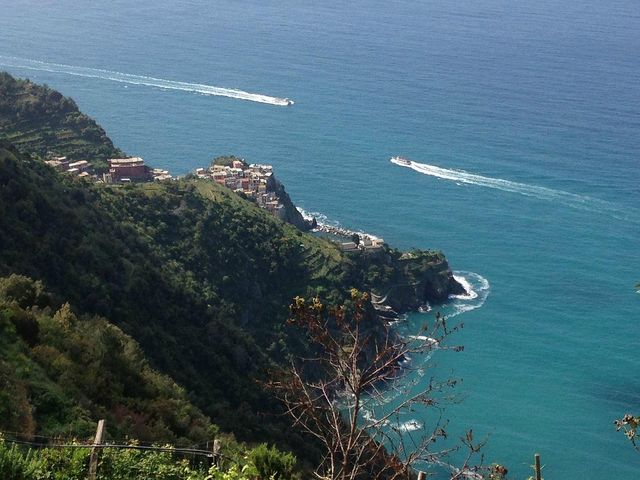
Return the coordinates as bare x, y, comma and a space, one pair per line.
530, 109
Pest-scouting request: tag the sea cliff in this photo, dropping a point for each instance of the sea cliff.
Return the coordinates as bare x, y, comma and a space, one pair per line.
404, 281
291, 214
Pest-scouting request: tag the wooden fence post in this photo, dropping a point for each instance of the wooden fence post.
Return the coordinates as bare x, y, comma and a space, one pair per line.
216, 453
537, 467
93, 460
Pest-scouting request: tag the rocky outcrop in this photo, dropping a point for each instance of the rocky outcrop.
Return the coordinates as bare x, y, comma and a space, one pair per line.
419, 278
291, 213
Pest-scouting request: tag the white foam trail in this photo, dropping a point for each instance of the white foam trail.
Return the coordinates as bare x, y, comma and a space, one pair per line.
573, 200
142, 80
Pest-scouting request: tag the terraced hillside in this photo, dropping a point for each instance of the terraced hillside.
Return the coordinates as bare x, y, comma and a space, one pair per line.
41, 121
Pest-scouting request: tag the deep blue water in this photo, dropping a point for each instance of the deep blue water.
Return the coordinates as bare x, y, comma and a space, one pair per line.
543, 94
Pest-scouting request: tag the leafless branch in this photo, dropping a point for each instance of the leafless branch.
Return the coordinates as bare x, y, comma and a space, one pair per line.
360, 362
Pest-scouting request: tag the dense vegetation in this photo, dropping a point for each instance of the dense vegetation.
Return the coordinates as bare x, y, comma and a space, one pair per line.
199, 277
60, 371
39, 120
68, 463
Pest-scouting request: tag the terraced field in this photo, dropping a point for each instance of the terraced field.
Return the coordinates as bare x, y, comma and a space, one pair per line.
43, 122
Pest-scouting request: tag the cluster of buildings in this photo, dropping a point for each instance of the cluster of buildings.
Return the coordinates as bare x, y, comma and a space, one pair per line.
254, 181
127, 170
366, 243
79, 168
121, 170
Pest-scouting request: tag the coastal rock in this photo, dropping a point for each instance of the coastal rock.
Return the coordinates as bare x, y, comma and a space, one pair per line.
291, 213
419, 277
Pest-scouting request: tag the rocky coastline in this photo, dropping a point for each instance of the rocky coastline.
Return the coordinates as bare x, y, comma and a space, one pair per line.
420, 279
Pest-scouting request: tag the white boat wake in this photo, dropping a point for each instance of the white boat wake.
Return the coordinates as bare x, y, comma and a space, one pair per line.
142, 80
573, 200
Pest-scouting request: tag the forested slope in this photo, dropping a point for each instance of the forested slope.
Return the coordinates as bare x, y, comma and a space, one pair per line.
61, 370
199, 277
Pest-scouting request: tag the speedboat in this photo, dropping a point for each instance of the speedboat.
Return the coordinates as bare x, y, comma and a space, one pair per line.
401, 161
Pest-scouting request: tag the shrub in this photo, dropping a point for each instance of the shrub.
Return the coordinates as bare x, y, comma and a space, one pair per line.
14, 465
271, 463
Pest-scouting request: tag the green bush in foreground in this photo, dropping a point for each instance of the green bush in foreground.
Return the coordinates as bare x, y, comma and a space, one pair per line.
261, 463
15, 465
271, 463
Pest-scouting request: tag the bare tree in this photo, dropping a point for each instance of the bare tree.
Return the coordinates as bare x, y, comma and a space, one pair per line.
357, 362
629, 425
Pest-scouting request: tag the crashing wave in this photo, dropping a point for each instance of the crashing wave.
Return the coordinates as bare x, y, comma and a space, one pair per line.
477, 290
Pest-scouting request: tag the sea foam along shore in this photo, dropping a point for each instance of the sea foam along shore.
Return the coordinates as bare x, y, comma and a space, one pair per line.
477, 288
332, 226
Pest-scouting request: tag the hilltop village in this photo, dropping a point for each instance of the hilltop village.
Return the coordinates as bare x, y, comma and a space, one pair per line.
252, 181
257, 182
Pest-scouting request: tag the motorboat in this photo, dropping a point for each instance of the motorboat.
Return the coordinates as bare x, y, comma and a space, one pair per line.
401, 161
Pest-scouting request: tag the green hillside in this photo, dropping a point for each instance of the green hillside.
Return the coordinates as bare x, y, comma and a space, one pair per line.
39, 120
60, 371
200, 278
